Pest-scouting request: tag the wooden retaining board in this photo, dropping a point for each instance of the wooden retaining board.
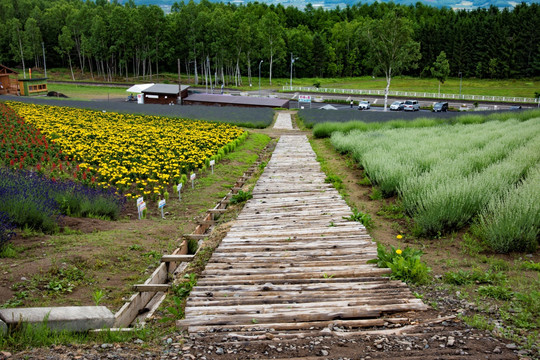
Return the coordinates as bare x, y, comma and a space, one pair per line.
291, 260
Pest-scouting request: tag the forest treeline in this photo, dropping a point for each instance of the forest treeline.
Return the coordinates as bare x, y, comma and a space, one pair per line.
227, 41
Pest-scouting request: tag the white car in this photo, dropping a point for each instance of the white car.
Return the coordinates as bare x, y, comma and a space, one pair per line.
397, 105
411, 105
363, 105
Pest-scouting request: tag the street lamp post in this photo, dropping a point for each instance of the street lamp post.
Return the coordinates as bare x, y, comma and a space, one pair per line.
460, 78
292, 62
260, 77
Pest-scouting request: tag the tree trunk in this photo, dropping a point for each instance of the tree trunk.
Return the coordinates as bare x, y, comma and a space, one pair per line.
22, 55
388, 79
71, 67
196, 75
91, 70
249, 69
271, 62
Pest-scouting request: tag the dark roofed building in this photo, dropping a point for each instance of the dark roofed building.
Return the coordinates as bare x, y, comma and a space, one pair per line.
164, 94
229, 100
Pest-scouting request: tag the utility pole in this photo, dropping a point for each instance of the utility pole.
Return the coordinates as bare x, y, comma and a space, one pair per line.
260, 77
179, 82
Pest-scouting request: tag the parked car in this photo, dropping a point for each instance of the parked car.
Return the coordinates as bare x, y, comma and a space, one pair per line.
397, 105
411, 105
363, 105
440, 107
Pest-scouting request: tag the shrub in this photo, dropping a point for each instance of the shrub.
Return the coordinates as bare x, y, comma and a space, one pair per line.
445, 176
511, 222
405, 264
6, 230
495, 292
241, 196
364, 219
31, 200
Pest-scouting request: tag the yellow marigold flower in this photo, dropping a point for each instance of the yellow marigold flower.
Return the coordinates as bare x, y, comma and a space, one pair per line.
398, 251
399, 237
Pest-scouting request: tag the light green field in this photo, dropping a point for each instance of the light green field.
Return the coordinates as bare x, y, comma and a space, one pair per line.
512, 87
85, 92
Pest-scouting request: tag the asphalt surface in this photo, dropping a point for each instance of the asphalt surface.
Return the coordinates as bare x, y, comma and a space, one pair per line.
210, 113
238, 114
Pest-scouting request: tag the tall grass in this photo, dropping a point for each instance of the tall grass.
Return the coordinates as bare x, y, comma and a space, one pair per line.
445, 175
326, 129
511, 222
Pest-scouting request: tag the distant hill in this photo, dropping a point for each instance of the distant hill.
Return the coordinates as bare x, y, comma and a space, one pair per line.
454, 4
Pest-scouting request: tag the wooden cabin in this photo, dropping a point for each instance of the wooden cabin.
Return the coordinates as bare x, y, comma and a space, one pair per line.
164, 94
33, 86
8, 86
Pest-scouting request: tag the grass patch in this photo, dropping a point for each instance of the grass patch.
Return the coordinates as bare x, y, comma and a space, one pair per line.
463, 277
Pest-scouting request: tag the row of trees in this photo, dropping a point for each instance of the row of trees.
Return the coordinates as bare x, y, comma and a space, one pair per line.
225, 41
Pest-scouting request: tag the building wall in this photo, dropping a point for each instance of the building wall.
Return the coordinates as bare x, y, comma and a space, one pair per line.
160, 99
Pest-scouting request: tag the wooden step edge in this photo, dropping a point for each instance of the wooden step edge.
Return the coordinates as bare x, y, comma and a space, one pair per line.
177, 258
217, 211
151, 287
196, 236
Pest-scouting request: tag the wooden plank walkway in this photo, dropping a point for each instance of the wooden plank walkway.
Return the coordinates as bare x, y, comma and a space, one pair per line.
291, 261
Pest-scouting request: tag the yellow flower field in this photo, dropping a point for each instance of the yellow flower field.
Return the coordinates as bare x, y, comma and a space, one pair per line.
142, 153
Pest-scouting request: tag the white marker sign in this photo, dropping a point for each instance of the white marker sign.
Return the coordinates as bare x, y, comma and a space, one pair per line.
140, 201
141, 207
212, 163
179, 189
161, 204
192, 177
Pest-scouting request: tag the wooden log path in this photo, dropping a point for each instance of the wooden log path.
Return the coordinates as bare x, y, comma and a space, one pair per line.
291, 260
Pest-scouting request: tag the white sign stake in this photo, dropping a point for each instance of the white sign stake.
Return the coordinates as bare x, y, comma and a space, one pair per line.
161, 205
179, 189
192, 177
142, 207
212, 163
139, 202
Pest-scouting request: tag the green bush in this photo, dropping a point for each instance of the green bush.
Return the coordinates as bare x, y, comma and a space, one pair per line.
241, 196
364, 219
496, 292
511, 222
405, 264
446, 175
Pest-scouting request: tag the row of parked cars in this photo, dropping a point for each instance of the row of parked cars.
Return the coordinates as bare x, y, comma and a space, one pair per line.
408, 105
413, 105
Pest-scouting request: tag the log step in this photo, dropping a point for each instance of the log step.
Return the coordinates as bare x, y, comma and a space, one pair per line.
177, 258
151, 287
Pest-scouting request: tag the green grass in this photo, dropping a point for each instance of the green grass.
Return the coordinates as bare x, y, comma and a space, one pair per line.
87, 92
511, 87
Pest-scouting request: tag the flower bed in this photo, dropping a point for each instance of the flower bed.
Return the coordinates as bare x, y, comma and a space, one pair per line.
141, 155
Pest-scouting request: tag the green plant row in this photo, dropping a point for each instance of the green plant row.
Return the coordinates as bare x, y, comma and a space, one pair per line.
326, 129
447, 175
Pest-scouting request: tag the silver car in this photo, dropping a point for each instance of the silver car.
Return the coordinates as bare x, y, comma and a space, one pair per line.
411, 105
363, 105
397, 105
